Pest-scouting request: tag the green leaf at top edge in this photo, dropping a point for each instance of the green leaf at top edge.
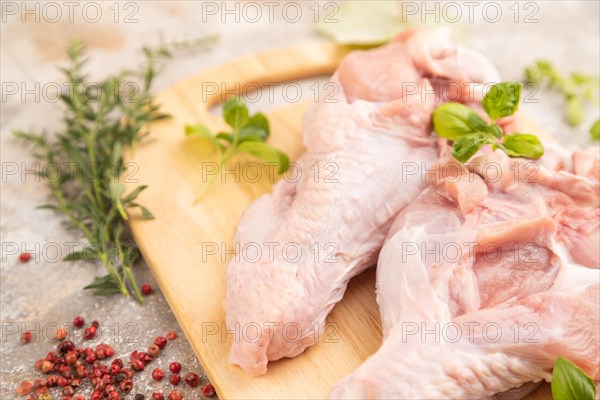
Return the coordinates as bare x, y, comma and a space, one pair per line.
502, 100
569, 382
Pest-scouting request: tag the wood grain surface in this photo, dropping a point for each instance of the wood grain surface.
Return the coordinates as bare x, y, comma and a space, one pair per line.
178, 242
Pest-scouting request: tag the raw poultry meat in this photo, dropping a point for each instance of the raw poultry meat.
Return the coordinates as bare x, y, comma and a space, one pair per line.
485, 279
336, 216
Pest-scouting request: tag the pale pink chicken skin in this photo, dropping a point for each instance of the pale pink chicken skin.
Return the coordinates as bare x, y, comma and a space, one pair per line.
366, 134
495, 258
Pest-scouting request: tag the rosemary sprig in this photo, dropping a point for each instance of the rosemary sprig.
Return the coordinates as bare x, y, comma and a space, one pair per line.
99, 125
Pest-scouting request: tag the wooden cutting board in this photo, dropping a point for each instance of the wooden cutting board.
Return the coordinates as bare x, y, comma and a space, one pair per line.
178, 242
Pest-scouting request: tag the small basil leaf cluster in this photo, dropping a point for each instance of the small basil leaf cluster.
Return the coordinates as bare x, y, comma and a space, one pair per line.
570, 382
249, 134
579, 91
469, 132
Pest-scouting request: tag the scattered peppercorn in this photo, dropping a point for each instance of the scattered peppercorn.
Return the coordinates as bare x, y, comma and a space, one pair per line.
24, 388
78, 321
153, 350
158, 374
126, 385
70, 366
174, 380
65, 346
26, 337
192, 379
139, 396
175, 367
89, 332
161, 342
25, 257
208, 390
60, 334
146, 289
175, 395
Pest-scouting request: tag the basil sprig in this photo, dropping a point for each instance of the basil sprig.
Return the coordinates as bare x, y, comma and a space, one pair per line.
249, 134
469, 132
569, 382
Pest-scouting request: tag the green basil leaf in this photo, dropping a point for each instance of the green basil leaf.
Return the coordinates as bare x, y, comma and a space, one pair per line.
466, 146
235, 113
494, 130
595, 130
266, 153
452, 120
574, 111
522, 145
203, 132
228, 137
251, 138
502, 100
570, 383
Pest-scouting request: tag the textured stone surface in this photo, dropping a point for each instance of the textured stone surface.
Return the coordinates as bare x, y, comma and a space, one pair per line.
46, 291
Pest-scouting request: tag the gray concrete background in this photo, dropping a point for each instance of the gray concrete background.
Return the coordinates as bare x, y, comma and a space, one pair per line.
45, 291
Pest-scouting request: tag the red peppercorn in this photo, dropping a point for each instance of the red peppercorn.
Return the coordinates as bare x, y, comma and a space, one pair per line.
157, 396
192, 379
51, 356
95, 324
90, 358
96, 395
175, 367
114, 369
26, 337
62, 382
175, 395
137, 365
65, 346
208, 390
100, 354
144, 357
71, 357
146, 289
128, 372
60, 334
126, 385
52, 380
175, 379
117, 361
114, 396
158, 374
171, 335
68, 391
24, 388
89, 332
161, 342
78, 321
79, 397
153, 350
25, 257
42, 390
47, 366
109, 351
